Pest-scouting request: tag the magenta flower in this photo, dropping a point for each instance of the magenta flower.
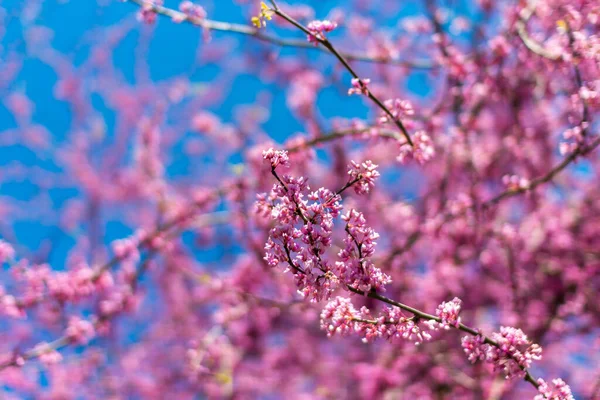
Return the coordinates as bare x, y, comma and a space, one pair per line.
514, 352
422, 151
365, 175
475, 347
359, 86
400, 110
338, 317
276, 157
448, 312
304, 223
355, 268
318, 29
558, 391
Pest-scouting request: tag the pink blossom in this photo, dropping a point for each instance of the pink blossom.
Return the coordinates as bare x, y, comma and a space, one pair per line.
302, 233
475, 347
514, 182
223, 303
80, 331
9, 306
558, 391
318, 30
359, 86
365, 175
448, 312
20, 105
127, 249
567, 148
338, 317
302, 95
276, 157
422, 151
355, 268
60, 286
392, 324
514, 352
7, 253
204, 121
191, 11
400, 109
500, 46
147, 14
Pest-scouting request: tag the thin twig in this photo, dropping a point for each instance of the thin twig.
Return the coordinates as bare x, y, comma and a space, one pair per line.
258, 34
521, 26
329, 46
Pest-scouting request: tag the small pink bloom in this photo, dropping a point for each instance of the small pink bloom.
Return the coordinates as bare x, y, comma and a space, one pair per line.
448, 312
7, 252
422, 151
276, 157
359, 86
514, 182
558, 391
205, 121
318, 29
80, 331
365, 173
192, 11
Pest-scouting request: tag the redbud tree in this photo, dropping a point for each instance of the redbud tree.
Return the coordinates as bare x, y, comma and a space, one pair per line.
331, 199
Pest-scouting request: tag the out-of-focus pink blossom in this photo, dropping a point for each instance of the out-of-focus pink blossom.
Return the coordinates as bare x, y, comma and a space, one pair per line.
7, 253
421, 151
559, 390
80, 330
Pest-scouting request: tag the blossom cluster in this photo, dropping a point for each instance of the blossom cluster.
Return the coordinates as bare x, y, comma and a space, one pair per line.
340, 317
304, 223
36, 282
7, 252
276, 157
574, 138
303, 232
448, 312
514, 182
364, 174
398, 108
356, 268
147, 12
421, 151
318, 29
192, 11
513, 352
359, 86
559, 390
80, 330
128, 249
